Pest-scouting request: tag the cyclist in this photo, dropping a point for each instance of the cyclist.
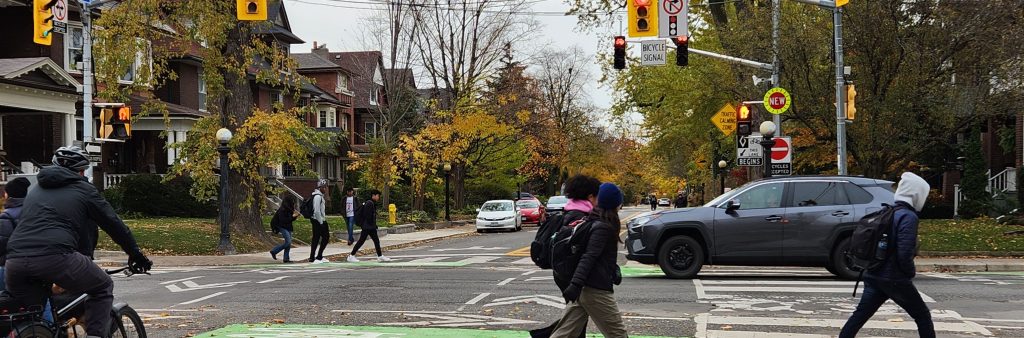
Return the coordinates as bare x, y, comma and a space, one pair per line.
56, 236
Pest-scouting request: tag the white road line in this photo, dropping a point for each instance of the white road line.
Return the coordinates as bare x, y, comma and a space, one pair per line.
175, 310
325, 271
478, 298
197, 300
478, 259
541, 278
394, 311
773, 282
427, 260
699, 286
524, 261
530, 272
838, 323
272, 280
506, 281
994, 320
657, 318
763, 270
450, 255
752, 334
180, 280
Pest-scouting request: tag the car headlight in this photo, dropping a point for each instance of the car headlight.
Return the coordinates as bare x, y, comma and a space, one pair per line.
508, 218
636, 223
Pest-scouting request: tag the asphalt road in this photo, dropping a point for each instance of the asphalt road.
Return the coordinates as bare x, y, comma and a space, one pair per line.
486, 283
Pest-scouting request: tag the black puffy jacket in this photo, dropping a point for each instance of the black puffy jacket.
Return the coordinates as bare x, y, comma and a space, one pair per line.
60, 216
8, 220
597, 267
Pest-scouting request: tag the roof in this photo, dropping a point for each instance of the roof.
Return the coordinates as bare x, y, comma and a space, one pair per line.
281, 28
319, 95
362, 65
858, 180
310, 61
15, 68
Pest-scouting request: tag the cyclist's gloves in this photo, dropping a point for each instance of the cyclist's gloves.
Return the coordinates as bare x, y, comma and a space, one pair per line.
138, 263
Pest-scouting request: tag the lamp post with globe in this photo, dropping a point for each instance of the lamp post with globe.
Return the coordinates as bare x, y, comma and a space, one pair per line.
767, 142
225, 246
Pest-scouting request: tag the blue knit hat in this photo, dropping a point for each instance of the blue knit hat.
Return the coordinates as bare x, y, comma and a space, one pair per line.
609, 196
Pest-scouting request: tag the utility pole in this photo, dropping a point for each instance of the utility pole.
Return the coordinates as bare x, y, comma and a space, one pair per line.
87, 79
776, 12
837, 18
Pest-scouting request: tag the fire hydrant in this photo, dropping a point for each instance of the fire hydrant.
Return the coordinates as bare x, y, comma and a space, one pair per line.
392, 214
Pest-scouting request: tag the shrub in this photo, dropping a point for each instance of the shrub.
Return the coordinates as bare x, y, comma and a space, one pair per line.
337, 199
147, 195
478, 194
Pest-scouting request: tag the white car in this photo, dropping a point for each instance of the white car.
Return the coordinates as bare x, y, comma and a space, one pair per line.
664, 202
498, 214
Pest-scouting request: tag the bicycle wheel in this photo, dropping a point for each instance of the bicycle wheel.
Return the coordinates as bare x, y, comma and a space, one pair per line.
32, 330
127, 324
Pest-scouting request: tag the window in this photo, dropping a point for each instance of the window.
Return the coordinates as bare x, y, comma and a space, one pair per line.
202, 91
73, 42
370, 130
142, 58
374, 94
276, 97
323, 119
344, 122
328, 119
496, 206
857, 194
817, 194
326, 167
289, 170
762, 197
342, 85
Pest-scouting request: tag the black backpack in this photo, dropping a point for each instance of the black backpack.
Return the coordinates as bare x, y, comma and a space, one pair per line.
866, 250
540, 248
567, 247
306, 209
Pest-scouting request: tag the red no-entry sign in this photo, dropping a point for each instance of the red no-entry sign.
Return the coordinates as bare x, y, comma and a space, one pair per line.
780, 151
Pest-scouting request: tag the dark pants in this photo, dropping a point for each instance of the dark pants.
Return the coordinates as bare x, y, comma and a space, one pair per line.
321, 235
654, 206
372, 233
75, 273
903, 293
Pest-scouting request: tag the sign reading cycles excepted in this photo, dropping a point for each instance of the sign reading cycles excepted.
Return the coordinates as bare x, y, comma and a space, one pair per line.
777, 100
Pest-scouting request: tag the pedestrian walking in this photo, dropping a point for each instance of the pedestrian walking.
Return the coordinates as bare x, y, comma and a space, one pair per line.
681, 201
283, 223
351, 203
591, 291
366, 218
581, 190
893, 278
321, 231
654, 202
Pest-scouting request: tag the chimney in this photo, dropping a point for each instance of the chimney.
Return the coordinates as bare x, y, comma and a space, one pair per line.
321, 50
314, 44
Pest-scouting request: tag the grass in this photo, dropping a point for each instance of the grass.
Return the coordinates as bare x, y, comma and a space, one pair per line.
979, 235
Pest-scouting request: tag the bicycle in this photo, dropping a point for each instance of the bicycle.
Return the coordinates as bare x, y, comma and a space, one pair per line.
28, 322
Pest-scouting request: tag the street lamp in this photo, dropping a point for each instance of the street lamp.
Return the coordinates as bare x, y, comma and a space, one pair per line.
721, 176
225, 247
767, 142
447, 172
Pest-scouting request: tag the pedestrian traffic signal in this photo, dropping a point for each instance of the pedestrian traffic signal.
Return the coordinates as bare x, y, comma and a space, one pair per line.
841, 3
743, 123
116, 123
643, 18
682, 51
620, 53
42, 19
252, 10
851, 102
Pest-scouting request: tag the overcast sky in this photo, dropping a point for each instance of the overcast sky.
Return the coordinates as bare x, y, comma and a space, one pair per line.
340, 28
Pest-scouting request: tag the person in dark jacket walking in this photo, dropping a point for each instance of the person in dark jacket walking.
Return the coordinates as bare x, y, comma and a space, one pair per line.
654, 202
55, 237
681, 200
893, 278
590, 293
283, 222
366, 218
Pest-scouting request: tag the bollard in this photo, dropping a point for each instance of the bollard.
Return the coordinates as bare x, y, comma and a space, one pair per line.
392, 214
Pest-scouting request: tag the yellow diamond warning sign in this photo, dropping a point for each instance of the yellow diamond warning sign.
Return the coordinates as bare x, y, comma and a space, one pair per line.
725, 119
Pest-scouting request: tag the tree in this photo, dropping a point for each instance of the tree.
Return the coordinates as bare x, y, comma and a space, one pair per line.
237, 58
977, 199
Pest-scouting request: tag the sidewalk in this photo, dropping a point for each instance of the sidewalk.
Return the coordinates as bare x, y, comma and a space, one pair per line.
336, 250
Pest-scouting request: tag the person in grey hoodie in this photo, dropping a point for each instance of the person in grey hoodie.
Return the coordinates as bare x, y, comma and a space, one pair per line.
893, 278
321, 232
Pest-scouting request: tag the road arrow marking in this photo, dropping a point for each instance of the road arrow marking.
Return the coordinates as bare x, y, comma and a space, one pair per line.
190, 286
197, 300
470, 248
458, 320
272, 280
552, 301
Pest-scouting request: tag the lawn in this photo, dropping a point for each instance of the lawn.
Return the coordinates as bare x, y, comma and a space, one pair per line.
978, 235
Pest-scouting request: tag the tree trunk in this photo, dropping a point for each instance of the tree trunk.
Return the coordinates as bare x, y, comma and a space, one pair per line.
459, 191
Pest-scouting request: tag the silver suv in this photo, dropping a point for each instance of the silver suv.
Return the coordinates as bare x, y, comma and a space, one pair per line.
784, 221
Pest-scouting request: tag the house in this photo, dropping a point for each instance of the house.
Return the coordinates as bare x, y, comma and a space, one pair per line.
368, 87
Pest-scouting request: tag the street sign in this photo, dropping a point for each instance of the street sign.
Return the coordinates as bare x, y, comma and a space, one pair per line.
782, 156
725, 119
777, 100
652, 52
673, 18
60, 16
748, 151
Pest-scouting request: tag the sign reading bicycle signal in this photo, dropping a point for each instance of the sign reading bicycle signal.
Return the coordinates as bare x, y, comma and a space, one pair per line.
777, 100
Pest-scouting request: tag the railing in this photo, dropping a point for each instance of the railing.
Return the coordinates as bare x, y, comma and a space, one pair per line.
1004, 181
112, 180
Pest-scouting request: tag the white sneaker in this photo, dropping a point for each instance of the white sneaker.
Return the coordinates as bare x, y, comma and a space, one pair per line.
352, 259
316, 262
383, 259
325, 260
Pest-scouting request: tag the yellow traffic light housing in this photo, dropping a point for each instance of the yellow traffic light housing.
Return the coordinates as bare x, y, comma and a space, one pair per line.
841, 3
743, 120
643, 18
42, 19
251, 10
116, 123
851, 102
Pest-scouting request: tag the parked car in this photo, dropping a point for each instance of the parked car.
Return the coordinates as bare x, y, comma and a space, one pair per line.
498, 215
556, 204
526, 196
789, 221
664, 202
532, 211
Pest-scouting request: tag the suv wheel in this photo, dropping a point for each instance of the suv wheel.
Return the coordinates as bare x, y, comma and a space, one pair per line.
681, 257
842, 266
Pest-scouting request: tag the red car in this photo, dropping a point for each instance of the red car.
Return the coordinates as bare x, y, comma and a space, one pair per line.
532, 211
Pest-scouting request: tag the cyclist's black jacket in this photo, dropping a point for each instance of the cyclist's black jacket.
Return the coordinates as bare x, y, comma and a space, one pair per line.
60, 216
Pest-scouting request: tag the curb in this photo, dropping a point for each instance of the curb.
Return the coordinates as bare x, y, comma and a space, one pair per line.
970, 254
981, 267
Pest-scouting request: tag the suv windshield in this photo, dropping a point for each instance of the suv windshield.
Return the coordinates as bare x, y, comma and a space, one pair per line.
497, 206
558, 200
528, 204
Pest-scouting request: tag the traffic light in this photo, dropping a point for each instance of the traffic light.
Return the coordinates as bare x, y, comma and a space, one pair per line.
841, 3
42, 19
643, 18
743, 123
116, 123
252, 10
620, 53
682, 51
851, 102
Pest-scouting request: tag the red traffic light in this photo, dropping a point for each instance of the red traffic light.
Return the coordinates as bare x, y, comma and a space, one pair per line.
620, 41
682, 39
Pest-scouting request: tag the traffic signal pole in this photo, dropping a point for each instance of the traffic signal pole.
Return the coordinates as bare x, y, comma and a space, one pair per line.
837, 18
87, 79
776, 12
